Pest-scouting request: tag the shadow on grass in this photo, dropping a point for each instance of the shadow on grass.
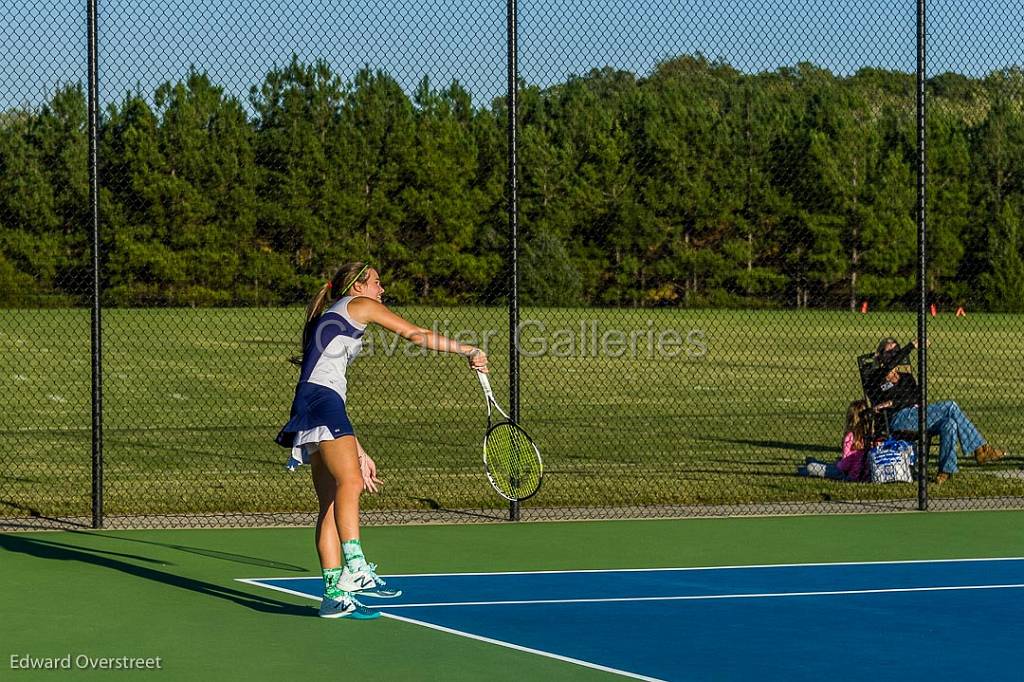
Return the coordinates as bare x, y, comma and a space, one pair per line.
775, 444
434, 505
59, 551
435, 441
35, 514
173, 452
699, 474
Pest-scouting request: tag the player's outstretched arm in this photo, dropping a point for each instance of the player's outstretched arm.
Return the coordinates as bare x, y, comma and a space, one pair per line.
366, 310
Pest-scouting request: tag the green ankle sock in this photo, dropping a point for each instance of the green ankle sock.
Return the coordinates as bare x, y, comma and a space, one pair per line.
353, 552
331, 589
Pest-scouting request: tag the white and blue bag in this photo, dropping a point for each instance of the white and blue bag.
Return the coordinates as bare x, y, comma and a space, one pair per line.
892, 462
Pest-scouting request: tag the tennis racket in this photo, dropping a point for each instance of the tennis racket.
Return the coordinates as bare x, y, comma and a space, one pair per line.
511, 459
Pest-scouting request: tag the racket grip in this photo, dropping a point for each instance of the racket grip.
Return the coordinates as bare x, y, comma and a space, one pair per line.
485, 384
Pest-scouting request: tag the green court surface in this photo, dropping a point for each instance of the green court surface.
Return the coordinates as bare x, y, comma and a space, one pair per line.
174, 594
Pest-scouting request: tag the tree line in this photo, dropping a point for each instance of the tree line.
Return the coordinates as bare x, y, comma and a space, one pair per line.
695, 185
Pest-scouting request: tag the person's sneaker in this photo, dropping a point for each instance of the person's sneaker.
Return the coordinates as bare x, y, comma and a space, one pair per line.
986, 453
365, 581
816, 469
346, 607
941, 477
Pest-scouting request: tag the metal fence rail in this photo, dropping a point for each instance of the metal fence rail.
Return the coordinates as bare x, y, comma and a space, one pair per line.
673, 227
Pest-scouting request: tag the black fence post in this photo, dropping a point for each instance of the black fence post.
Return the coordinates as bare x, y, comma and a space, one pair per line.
97, 366
513, 224
922, 268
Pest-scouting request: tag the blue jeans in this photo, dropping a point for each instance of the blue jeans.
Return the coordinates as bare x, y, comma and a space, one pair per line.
947, 421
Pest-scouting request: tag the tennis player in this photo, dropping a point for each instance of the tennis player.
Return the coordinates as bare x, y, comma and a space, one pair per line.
319, 432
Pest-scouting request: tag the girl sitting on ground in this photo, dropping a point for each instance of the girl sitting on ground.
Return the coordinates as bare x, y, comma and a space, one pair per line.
852, 464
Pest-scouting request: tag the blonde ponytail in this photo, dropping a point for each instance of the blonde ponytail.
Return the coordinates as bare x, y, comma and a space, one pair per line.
314, 310
319, 303
341, 282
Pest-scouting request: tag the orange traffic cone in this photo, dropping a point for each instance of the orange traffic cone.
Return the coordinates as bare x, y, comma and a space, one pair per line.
933, 310
863, 307
960, 312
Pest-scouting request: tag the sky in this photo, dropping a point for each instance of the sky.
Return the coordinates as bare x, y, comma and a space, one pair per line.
146, 42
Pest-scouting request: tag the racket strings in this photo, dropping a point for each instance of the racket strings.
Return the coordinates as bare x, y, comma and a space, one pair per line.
512, 461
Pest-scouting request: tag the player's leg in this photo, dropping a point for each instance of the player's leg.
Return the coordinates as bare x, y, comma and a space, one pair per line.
328, 547
341, 458
330, 491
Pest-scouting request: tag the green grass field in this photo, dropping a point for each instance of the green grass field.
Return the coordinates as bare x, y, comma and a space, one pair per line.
193, 399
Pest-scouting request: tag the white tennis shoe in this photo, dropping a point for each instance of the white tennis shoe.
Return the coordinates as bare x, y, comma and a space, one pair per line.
346, 607
366, 582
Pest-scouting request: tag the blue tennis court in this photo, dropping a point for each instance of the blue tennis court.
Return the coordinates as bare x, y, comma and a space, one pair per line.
950, 619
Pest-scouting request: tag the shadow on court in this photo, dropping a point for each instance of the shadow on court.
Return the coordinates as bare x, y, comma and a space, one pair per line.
201, 551
59, 551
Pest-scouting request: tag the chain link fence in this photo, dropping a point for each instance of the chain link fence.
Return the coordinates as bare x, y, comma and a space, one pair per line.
45, 272
975, 245
716, 217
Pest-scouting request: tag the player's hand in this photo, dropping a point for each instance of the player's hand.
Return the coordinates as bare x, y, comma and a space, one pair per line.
368, 470
478, 360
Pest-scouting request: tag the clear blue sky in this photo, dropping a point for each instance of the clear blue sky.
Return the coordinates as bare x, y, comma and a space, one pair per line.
144, 42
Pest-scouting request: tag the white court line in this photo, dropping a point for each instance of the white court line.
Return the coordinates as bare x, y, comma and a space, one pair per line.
468, 635
682, 568
257, 583
517, 647
687, 597
709, 568
707, 597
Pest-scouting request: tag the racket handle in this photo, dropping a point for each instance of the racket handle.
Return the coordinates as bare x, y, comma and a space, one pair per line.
485, 383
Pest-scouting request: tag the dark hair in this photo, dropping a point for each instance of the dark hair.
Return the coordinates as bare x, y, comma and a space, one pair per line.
333, 289
885, 342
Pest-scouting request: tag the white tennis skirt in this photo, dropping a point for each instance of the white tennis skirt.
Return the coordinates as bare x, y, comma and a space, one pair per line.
306, 443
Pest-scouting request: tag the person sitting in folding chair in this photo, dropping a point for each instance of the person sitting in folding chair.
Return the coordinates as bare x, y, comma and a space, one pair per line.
893, 390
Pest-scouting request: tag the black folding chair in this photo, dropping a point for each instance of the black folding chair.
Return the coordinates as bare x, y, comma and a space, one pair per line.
867, 367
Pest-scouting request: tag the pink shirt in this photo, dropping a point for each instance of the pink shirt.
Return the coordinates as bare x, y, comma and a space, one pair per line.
852, 461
